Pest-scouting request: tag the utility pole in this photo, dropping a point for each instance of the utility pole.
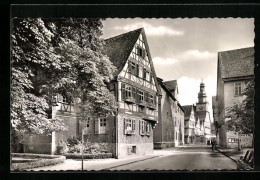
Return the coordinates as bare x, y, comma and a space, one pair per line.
82, 146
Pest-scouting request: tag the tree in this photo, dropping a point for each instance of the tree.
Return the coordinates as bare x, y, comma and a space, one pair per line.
31, 50
241, 115
51, 56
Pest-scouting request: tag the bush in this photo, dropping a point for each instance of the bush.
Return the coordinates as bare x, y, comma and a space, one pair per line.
88, 156
73, 145
46, 160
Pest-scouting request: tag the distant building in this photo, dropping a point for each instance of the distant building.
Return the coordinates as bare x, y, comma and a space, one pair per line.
214, 130
197, 119
235, 67
189, 124
130, 130
178, 112
169, 132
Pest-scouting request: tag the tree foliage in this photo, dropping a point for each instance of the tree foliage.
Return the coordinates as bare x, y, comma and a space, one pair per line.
51, 56
241, 115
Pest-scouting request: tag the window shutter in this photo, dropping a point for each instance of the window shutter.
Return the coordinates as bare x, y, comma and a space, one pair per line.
140, 127
134, 92
146, 96
97, 126
137, 70
155, 99
129, 67
125, 129
123, 91
137, 96
133, 124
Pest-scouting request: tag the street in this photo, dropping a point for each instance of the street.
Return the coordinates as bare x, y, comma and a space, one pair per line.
188, 158
182, 158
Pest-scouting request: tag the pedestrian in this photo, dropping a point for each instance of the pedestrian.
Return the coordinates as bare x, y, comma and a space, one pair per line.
213, 145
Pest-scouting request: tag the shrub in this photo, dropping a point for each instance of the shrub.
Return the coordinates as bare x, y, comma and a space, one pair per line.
75, 146
46, 160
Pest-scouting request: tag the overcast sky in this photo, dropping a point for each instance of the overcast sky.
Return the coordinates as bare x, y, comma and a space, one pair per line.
186, 49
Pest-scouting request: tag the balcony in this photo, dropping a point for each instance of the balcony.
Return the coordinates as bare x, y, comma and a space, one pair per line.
130, 100
151, 106
142, 103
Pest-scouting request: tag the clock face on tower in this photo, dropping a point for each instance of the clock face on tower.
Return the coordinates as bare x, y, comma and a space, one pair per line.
200, 107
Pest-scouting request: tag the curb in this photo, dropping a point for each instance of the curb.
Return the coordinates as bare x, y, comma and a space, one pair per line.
226, 155
130, 162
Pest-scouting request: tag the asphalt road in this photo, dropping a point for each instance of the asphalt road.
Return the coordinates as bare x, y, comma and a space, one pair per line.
186, 158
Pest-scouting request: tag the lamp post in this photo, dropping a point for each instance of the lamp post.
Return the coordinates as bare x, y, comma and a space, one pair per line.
82, 146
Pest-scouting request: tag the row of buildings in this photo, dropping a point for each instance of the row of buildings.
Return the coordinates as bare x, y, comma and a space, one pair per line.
149, 114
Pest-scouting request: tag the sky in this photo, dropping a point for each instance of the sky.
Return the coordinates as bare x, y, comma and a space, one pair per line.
186, 49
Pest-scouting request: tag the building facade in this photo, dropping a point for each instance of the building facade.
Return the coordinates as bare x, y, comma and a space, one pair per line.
189, 124
235, 68
169, 132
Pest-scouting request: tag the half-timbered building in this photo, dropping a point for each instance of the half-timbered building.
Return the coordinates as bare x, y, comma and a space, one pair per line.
136, 90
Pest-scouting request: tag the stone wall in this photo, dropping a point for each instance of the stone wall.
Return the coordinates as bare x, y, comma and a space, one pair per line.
37, 144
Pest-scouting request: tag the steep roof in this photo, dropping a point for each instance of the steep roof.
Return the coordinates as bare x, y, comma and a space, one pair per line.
236, 63
171, 85
118, 48
162, 84
187, 109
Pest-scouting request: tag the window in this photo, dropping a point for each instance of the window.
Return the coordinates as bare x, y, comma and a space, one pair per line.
144, 74
151, 99
129, 126
140, 52
131, 150
102, 126
140, 95
145, 128
142, 127
132, 67
232, 140
128, 90
238, 89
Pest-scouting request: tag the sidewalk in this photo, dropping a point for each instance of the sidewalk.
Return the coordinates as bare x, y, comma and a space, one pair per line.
233, 154
104, 164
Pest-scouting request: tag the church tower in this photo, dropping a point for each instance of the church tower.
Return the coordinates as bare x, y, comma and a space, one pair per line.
202, 104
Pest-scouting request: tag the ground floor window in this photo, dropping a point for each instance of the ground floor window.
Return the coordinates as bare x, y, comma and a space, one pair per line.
129, 126
131, 150
102, 129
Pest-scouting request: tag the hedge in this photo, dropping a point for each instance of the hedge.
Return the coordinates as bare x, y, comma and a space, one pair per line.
88, 156
29, 155
46, 160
